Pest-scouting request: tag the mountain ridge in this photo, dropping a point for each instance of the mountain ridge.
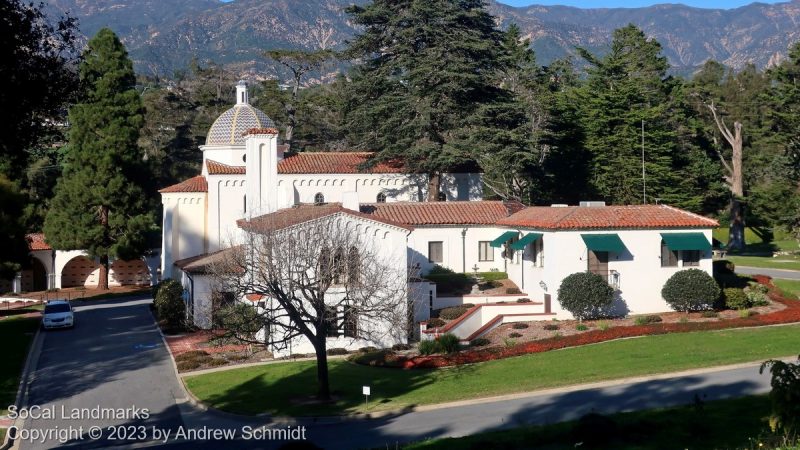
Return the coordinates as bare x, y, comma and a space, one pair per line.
164, 35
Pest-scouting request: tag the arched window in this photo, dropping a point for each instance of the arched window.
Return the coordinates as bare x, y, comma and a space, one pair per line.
381, 198
353, 266
442, 197
319, 198
244, 203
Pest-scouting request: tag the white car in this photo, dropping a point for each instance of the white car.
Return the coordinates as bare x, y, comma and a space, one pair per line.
58, 314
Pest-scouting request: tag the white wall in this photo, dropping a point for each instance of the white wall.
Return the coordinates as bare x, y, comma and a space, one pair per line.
184, 228
641, 276
226, 205
455, 250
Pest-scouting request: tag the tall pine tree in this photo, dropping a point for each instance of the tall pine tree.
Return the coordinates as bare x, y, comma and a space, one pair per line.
426, 91
99, 205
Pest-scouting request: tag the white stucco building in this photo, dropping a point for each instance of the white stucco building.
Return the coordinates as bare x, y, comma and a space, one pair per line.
247, 177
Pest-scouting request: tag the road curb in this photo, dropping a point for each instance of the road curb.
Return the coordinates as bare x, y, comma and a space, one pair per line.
34, 351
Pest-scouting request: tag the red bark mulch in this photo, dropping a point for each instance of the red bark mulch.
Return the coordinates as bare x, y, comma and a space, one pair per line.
788, 315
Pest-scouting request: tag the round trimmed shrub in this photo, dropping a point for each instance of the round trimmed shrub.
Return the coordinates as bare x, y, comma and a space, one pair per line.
479, 342
188, 365
585, 294
690, 290
336, 351
735, 298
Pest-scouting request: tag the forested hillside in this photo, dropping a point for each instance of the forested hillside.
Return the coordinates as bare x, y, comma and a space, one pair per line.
615, 125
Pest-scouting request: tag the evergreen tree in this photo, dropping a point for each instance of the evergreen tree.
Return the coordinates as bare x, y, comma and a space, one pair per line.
99, 205
12, 232
426, 92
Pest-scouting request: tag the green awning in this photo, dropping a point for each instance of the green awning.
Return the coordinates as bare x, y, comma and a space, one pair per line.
527, 239
503, 238
604, 242
686, 241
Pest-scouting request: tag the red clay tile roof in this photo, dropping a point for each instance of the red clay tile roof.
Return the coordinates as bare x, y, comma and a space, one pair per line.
260, 131
333, 162
606, 217
36, 242
196, 184
217, 168
202, 263
443, 213
288, 217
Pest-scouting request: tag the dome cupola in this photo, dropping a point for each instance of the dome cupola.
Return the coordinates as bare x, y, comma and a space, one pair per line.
230, 126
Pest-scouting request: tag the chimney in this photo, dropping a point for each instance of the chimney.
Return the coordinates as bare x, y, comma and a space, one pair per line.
586, 204
350, 201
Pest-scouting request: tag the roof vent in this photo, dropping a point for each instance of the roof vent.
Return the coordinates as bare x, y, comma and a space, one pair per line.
592, 204
559, 205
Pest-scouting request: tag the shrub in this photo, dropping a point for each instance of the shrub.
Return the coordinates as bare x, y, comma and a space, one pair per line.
690, 290
479, 342
380, 358
448, 281
735, 298
710, 314
188, 365
723, 266
401, 347
585, 294
581, 327
429, 347
744, 313
523, 300
156, 287
169, 304
493, 276
756, 294
453, 312
514, 335
217, 362
519, 326
192, 354
551, 327
603, 325
489, 285
731, 280
644, 320
449, 343
435, 323
336, 351
236, 357
785, 396
508, 342
513, 290
366, 349
241, 318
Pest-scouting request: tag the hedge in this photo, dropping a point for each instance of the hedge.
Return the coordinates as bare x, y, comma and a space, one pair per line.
788, 315
585, 294
690, 290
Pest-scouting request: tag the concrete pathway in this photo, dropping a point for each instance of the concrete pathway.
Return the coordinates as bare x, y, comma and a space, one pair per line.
786, 274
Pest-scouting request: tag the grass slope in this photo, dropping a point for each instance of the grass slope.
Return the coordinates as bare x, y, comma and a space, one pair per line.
725, 424
16, 335
767, 262
284, 388
790, 288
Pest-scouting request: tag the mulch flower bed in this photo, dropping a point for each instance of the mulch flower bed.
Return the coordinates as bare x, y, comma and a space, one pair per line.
789, 314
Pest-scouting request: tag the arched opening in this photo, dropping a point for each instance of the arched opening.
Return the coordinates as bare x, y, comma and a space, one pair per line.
129, 273
381, 197
319, 198
34, 277
79, 271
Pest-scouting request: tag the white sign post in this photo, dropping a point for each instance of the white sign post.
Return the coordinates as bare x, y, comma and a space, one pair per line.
366, 391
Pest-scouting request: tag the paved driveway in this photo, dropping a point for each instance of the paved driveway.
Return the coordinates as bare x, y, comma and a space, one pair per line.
774, 273
114, 358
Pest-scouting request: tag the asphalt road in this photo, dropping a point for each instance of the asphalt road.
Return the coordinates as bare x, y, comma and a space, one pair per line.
774, 273
113, 358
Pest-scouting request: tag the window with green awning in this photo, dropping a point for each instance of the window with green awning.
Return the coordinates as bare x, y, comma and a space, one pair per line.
686, 241
603, 242
503, 238
527, 239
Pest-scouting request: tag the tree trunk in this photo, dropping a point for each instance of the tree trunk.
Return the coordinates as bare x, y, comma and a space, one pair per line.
736, 232
324, 389
102, 282
290, 112
736, 238
434, 184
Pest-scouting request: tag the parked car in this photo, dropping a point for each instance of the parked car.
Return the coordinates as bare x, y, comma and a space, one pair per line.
58, 314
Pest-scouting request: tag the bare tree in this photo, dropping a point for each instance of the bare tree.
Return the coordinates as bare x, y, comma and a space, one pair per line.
299, 63
733, 176
317, 280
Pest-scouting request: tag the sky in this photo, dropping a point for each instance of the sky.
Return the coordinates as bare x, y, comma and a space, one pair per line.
726, 4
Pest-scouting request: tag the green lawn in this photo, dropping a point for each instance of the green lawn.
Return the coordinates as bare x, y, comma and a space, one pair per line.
728, 424
789, 287
791, 262
285, 388
15, 334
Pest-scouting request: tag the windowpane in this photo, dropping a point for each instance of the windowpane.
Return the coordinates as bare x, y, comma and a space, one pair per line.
669, 258
319, 198
485, 251
350, 322
435, 251
381, 198
331, 322
691, 257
